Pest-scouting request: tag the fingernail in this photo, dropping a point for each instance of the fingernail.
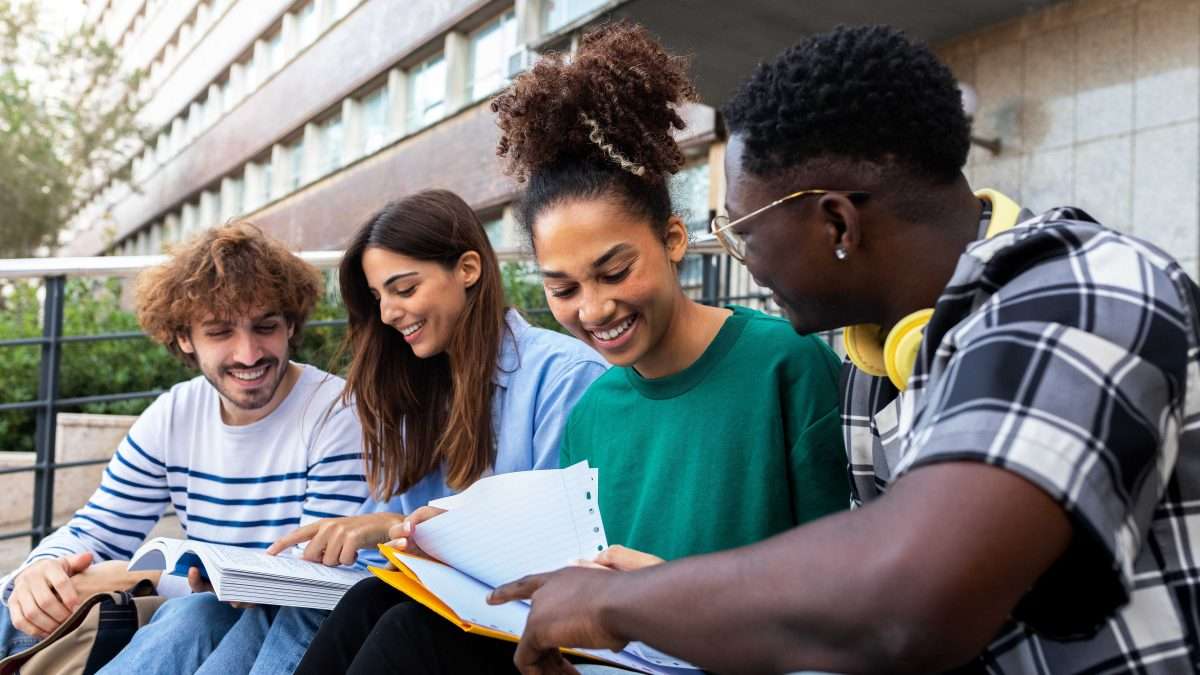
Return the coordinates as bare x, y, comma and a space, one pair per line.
406, 527
402, 542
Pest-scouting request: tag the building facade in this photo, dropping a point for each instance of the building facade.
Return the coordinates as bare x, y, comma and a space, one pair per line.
308, 115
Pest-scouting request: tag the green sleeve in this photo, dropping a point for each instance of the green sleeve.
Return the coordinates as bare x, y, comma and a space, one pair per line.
820, 479
564, 446
820, 482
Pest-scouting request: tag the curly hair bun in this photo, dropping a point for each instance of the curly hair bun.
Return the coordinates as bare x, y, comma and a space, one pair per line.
614, 101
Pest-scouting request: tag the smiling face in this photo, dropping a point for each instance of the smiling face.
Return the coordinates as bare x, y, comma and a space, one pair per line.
610, 279
421, 299
790, 248
244, 358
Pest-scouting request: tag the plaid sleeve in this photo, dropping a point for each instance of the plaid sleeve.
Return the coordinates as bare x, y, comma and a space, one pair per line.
1087, 406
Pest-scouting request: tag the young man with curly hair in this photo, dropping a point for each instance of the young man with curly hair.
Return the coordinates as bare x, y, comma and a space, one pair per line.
1027, 469
253, 447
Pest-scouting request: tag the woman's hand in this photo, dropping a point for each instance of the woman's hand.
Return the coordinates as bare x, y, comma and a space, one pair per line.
402, 533
621, 559
336, 541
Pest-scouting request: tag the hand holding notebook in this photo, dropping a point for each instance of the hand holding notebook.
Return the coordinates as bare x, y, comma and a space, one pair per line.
501, 528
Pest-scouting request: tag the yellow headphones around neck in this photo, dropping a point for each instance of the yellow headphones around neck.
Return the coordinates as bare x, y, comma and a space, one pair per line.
896, 355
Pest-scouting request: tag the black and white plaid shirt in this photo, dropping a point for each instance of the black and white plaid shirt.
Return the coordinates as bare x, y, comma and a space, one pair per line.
1068, 354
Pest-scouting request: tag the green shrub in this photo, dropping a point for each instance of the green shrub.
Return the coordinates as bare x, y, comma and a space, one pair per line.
93, 307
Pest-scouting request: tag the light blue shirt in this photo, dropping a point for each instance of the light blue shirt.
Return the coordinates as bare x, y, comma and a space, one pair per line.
541, 375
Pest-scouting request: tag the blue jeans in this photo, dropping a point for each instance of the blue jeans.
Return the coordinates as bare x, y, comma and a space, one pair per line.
199, 634
12, 641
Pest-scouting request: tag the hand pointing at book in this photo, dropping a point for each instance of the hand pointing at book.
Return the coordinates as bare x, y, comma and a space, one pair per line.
336, 541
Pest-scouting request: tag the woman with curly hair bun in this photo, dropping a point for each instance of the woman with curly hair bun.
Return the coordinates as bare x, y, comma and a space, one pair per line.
718, 426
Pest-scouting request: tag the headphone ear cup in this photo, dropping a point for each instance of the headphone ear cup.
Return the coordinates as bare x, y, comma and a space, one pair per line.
864, 347
903, 345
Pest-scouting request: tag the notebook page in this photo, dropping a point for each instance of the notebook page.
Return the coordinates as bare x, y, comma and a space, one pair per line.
468, 597
519, 523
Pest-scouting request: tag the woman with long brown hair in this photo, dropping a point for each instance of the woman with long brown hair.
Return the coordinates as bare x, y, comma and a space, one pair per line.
449, 384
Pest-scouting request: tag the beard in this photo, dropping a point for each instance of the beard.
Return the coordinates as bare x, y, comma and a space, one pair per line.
246, 398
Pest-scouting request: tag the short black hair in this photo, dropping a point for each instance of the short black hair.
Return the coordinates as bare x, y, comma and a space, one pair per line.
857, 93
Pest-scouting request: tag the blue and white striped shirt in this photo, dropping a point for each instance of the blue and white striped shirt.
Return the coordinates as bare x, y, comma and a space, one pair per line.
243, 485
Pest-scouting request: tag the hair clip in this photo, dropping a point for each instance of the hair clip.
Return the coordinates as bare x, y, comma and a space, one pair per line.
598, 138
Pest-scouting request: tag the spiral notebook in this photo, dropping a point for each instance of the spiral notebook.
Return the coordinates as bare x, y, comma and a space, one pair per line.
502, 528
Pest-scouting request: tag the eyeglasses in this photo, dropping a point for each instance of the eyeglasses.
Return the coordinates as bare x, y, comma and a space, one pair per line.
721, 227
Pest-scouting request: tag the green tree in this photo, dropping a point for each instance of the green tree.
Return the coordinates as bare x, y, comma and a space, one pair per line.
522, 290
67, 124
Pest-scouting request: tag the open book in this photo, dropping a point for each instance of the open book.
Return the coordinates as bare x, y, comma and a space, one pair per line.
242, 574
498, 530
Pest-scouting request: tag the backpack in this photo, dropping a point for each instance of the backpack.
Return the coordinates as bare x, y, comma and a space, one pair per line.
96, 631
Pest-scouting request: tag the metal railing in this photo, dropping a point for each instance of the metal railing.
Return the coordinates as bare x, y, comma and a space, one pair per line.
720, 281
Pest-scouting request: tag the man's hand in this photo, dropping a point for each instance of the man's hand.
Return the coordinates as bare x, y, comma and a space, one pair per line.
197, 582
44, 595
402, 534
113, 575
336, 541
566, 612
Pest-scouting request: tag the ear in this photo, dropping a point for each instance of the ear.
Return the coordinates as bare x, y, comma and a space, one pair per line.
468, 269
676, 239
842, 224
291, 329
184, 342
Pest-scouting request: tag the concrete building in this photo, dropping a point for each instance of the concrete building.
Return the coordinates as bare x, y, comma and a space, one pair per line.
307, 115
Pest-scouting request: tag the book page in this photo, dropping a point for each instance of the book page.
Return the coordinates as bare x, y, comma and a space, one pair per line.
277, 566
506, 526
156, 554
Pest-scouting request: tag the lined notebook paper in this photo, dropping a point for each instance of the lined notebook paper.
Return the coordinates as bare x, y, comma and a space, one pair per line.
506, 526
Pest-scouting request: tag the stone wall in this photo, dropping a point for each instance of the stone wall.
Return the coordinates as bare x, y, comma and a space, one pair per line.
78, 437
1097, 104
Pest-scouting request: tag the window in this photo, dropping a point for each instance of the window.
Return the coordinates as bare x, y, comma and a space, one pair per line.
295, 158
689, 195
273, 53
233, 86
427, 93
161, 149
331, 144
268, 181
187, 222
212, 107
251, 78
495, 232
177, 135
306, 24
236, 197
203, 16
195, 121
185, 36
376, 118
558, 13
491, 46
342, 7
256, 186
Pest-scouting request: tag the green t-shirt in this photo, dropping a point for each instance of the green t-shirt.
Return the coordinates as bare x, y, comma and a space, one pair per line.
741, 445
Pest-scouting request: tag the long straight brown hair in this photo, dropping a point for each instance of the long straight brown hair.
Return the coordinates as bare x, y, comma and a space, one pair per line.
416, 413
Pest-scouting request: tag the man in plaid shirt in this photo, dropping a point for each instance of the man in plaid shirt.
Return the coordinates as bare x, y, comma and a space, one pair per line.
1029, 503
